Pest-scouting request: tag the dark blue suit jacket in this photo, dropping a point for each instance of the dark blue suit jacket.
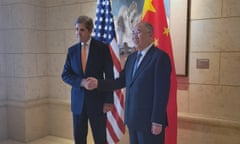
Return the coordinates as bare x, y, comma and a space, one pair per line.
147, 93
99, 65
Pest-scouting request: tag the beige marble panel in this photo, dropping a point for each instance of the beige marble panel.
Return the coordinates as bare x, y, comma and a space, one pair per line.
90, 8
68, 92
205, 76
31, 88
205, 99
5, 19
71, 12
38, 2
51, 3
215, 101
56, 41
193, 132
183, 100
10, 142
207, 35
52, 140
55, 18
10, 62
230, 108
15, 89
39, 41
40, 18
57, 89
231, 8
3, 69
25, 41
27, 122
16, 123
25, 65
60, 120
44, 140
22, 16
3, 88
42, 65
4, 2
2, 40
33, 2
36, 120
7, 38
3, 121
29, 41
18, 41
230, 34
215, 35
205, 9
230, 69
70, 38
62, 17
55, 64
25, 89
43, 87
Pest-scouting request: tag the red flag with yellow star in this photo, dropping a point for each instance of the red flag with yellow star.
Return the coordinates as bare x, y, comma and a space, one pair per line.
154, 13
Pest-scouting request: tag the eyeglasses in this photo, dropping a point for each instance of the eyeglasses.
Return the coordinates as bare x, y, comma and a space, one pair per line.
138, 32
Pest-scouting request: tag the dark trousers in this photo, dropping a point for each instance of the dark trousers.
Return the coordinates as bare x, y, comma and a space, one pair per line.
80, 128
142, 137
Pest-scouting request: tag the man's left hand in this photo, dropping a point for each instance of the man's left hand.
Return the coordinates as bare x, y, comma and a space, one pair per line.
107, 107
156, 129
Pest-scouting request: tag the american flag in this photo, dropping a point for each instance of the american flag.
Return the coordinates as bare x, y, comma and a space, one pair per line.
104, 31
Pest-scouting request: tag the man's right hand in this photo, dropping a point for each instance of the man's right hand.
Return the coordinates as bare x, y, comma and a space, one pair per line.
91, 83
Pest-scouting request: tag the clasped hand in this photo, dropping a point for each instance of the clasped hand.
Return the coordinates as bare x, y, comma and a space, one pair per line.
90, 83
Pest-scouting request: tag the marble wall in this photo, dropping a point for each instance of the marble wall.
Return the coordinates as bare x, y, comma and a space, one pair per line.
208, 110
34, 102
34, 37
23, 77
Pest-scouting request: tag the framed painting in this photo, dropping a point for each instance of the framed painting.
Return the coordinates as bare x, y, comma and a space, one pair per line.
128, 12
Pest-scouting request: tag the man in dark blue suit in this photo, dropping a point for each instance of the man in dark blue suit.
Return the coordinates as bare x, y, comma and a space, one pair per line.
88, 57
147, 82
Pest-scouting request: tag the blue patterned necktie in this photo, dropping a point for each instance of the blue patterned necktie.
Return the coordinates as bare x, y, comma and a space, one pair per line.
136, 63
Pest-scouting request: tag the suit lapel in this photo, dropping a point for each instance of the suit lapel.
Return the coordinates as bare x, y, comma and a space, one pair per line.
132, 62
143, 64
78, 57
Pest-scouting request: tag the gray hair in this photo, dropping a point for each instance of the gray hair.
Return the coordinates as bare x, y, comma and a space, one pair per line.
148, 26
87, 21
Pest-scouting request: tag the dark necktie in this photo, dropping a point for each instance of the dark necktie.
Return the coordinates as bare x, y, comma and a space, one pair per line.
136, 63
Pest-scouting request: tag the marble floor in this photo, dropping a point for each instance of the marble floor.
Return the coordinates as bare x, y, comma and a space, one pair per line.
45, 140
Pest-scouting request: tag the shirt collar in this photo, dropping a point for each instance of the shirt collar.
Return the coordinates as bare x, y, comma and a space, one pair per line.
144, 51
88, 42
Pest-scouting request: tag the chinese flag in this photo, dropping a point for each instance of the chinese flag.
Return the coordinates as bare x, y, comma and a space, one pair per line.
154, 13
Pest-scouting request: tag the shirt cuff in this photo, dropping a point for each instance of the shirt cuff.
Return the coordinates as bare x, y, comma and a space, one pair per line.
156, 124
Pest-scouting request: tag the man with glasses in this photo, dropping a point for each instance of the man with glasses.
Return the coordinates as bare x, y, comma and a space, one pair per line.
146, 76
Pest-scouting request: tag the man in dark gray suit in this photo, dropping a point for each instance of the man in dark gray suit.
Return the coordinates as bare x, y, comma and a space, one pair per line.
146, 76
